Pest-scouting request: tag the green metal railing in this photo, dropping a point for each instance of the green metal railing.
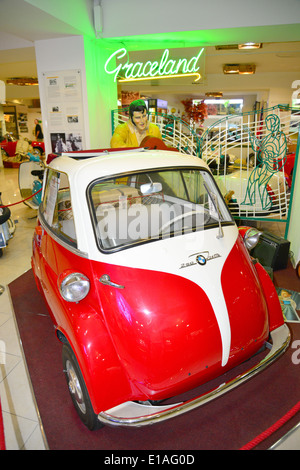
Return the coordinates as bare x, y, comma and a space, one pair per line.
247, 153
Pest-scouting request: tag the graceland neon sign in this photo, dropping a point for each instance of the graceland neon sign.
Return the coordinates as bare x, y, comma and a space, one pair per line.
165, 68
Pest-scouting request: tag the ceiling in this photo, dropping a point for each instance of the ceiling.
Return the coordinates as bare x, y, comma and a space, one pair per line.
17, 54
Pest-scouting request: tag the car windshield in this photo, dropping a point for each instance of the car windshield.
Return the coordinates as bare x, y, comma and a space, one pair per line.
153, 205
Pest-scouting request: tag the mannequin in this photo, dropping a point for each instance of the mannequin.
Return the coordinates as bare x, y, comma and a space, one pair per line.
132, 132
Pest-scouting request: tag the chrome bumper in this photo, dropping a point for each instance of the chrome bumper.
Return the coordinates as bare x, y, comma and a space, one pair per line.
134, 414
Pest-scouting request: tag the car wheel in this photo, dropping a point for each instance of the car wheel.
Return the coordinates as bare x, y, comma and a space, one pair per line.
298, 269
78, 390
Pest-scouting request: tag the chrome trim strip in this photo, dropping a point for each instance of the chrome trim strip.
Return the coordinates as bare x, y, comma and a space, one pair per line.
287, 441
136, 414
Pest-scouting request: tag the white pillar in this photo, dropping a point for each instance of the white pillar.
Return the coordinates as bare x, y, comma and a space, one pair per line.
98, 94
102, 92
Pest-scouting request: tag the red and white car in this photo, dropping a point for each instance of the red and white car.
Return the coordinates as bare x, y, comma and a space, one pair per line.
9, 146
149, 284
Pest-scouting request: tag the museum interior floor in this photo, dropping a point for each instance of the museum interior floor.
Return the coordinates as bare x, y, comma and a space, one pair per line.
22, 426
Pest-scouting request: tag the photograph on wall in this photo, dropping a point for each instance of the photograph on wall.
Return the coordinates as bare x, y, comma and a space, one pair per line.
23, 122
65, 110
58, 142
66, 142
74, 142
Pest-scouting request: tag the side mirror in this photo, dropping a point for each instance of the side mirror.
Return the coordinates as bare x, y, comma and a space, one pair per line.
150, 188
251, 238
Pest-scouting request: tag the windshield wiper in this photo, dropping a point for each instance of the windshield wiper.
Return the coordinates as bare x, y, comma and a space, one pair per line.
214, 200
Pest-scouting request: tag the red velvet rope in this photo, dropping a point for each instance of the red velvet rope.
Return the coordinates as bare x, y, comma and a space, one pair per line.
261, 437
2, 437
19, 202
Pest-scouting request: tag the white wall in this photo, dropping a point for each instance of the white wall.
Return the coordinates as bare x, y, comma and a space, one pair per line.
59, 55
99, 93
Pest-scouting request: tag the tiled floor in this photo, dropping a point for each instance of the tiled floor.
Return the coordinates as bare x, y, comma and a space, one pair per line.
21, 421
22, 426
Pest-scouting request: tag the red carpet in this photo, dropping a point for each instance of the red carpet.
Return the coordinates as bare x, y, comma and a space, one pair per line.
229, 422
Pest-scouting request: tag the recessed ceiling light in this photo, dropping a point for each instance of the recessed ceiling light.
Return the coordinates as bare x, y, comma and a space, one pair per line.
214, 94
247, 69
226, 47
231, 68
242, 69
250, 45
22, 81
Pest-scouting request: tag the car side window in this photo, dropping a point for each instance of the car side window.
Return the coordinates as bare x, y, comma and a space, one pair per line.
56, 207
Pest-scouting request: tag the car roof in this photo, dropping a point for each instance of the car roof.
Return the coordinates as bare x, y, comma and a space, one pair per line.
93, 165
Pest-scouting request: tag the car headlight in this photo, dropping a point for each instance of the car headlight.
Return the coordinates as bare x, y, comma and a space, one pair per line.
74, 287
251, 238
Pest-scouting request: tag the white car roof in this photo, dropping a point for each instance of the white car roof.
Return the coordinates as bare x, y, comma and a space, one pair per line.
93, 165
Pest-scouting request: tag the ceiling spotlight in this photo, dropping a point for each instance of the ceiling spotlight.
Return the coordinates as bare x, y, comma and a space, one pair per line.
246, 69
214, 94
22, 81
226, 47
242, 69
231, 68
250, 45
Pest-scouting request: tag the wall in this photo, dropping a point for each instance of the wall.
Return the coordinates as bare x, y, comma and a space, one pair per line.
59, 55
99, 93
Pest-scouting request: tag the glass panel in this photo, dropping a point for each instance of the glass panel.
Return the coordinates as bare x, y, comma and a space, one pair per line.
155, 205
57, 207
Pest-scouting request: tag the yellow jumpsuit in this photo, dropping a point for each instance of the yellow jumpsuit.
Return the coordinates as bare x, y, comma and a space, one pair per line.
125, 135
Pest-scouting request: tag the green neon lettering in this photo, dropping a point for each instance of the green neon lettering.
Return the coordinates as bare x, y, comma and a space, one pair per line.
168, 70
154, 65
163, 60
138, 65
165, 67
193, 62
181, 62
144, 73
116, 55
127, 67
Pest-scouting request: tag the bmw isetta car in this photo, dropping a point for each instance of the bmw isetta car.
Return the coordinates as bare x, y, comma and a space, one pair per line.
149, 283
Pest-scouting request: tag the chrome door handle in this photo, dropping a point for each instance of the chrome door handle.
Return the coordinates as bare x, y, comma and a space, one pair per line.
105, 279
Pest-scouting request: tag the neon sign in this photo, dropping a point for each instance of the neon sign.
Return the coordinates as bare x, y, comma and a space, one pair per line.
165, 68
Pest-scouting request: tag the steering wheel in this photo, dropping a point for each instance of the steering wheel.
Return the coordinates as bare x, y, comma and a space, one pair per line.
182, 216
